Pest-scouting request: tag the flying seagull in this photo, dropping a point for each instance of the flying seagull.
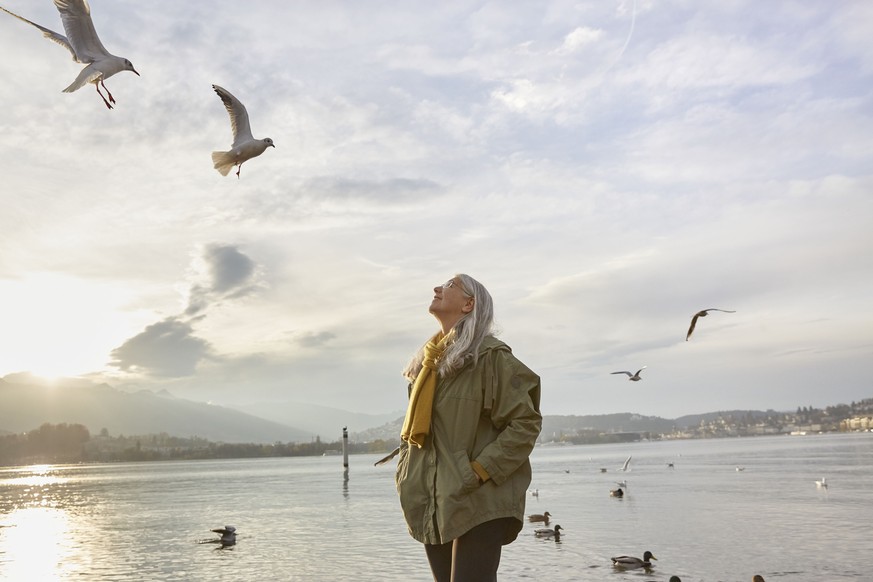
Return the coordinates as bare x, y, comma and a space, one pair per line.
632, 377
626, 465
245, 147
702, 313
84, 45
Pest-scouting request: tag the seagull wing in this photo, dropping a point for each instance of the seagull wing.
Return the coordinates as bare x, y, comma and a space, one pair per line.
623, 372
702, 313
48, 33
76, 16
693, 323
640, 370
388, 457
239, 117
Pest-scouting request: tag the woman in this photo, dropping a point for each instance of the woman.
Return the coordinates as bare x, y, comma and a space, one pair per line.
472, 422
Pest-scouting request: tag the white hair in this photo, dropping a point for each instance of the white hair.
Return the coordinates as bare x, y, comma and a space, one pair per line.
465, 337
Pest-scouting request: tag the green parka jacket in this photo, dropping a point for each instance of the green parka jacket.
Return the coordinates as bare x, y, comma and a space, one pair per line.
489, 413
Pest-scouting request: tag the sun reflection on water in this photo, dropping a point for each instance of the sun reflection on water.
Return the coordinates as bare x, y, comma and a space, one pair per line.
36, 480
35, 544
33, 476
40, 539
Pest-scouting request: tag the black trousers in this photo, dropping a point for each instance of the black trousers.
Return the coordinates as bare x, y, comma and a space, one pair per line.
473, 557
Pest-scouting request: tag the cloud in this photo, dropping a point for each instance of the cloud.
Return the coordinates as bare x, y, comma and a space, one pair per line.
604, 168
708, 64
579, 38
166, 348
228, 273
392, 191
170, 348
315, 340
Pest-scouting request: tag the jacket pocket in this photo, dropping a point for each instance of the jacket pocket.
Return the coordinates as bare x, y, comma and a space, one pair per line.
467, 480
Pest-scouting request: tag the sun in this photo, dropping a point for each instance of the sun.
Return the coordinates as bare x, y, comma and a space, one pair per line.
58, 326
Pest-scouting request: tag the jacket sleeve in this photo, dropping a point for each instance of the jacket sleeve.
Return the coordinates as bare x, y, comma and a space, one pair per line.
515, 412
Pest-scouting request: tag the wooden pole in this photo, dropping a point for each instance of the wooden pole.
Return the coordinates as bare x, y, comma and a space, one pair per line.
346, 448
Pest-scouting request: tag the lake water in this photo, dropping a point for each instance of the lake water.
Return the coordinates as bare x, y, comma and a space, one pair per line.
299, 519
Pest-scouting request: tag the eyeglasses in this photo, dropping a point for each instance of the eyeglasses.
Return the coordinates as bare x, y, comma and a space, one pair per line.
456, 285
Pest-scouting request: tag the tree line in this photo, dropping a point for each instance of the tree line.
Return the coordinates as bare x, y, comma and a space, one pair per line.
72, 443
50, 443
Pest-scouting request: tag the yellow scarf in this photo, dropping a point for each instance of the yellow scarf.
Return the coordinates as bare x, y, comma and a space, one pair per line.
416, 425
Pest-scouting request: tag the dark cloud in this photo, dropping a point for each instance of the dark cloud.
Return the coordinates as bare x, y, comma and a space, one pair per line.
170, 347
230, 269
167, 348
230, 275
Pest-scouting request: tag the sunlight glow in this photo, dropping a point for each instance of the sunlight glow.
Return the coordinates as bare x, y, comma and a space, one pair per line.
31, 476
34, 544
55, 325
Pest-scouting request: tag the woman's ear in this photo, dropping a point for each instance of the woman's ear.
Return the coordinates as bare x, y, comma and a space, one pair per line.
468, 306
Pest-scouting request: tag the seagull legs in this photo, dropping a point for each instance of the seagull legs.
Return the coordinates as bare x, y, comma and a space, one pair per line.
97, 86
238, 170
111, 98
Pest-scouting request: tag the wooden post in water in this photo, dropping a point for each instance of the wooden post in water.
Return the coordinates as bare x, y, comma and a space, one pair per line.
345, 448
345, 462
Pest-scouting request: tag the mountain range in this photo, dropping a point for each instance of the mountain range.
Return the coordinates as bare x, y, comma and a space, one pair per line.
554, 426
322, 421
26, 405
27, 402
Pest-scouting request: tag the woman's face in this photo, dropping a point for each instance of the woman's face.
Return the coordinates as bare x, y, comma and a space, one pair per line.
450, 303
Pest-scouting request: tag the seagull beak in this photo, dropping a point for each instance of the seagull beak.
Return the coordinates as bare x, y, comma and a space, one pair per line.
137, 74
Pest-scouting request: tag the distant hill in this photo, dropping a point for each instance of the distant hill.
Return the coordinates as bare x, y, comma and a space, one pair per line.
695, 419
323, 421
25, 406
26, 403
556, 426
387, 431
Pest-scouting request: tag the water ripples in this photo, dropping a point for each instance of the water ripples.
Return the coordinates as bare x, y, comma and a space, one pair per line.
300, 519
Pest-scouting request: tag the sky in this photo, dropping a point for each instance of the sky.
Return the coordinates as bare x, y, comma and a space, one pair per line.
605, 168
